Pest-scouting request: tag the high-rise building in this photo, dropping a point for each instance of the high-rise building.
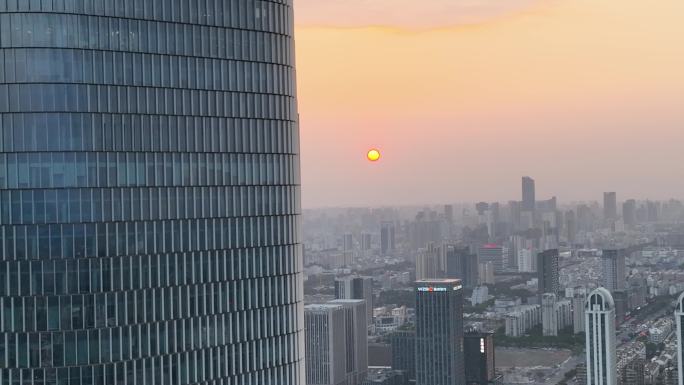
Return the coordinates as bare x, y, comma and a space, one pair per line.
480, 368
548, 271
427, 228
404, 352
449, 219
600, 338
430, 263
528, 194
366, 241
614, 269
578, 309
486, 273
461, 264
496, 254
525, 257
356, 339
439, 332
679, 321
629, 213
356, 288
325, 344
610, 206
348, 249
151, 148
571, 227
621, 299
387, 238
549, 315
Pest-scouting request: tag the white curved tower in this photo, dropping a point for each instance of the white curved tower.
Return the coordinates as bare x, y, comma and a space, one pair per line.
679, 320
600, 331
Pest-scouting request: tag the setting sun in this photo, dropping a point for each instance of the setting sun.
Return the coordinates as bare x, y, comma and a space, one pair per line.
373, 155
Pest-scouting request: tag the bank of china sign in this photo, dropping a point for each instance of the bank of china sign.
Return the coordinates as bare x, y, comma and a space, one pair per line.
438, 289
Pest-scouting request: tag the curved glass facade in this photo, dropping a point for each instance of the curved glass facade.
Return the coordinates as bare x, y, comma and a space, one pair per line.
149, 193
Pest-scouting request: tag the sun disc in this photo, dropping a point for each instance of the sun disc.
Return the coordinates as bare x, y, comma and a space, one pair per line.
373, 155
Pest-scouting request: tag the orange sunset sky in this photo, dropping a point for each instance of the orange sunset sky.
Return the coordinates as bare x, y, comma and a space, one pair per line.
464, 97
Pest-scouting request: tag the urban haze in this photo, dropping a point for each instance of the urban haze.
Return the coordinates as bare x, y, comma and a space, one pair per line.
341, 192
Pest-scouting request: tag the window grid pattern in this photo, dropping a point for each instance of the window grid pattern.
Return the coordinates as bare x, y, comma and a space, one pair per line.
149, 193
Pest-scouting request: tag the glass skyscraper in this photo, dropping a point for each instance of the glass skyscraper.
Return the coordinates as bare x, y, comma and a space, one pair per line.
149, 193
439, 332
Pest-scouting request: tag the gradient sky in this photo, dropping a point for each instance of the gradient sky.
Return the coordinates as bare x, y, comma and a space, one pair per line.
464, 97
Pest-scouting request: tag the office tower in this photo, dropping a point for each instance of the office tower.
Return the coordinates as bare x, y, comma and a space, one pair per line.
600, 338
653, 208
578, 308
404, 352
461, 264
348, 249
549, 315
449, 213
629, 213
430, 263
571, 227
387, 238
486, 273
528, 194
564, 313
621, 298
610, 206
449, 219
425, 229
614, 270
548, 271
494, 219
325, 344
356, 288
356, 339
525, 257
585, 218
439, 332
480, 366
481, 208
495, 254
679, 321
366, 241
515, 209
152, 150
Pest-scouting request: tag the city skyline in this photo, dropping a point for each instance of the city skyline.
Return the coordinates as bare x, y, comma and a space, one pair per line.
518, 92
490, 187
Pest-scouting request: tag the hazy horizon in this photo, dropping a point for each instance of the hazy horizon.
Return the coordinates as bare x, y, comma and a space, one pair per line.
584, 97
